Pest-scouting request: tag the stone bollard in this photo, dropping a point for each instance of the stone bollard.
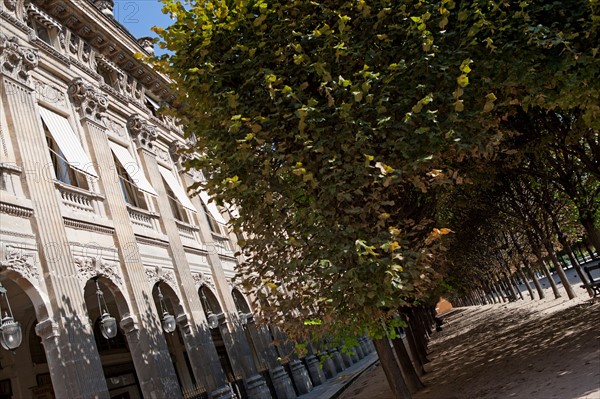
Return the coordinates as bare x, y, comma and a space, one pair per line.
314, 370
300, 377
282, 383
337, 360
328, 365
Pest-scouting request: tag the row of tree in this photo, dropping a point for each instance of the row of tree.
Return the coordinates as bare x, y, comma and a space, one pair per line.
380, 154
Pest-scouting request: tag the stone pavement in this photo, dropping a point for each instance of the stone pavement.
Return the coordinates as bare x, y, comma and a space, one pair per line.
333, 387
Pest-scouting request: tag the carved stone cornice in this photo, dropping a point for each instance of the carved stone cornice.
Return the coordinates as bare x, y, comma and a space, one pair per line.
90, 102
16, 61
33, 38
82, 225
16, 210
143, 133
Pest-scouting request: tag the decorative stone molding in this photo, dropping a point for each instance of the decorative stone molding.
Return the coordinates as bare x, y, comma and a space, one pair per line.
11, 5
157, 273
34, 39
201, 279
147, 43
47, 329
43, 18
16, 61
129, 324
16, 210
16, 234
50, 93
105, 6
80, 225
162, 155
91, 103
115, 127
179, 153
22, 262
143, 133
88, 267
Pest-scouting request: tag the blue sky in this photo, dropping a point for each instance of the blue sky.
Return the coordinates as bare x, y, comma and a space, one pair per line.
138, 16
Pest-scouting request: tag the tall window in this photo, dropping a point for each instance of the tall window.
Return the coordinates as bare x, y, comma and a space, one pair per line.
62, 170
215, 226
45, 27
179, 211
132, 195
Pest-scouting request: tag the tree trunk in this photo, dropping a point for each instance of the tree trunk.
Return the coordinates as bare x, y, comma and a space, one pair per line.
418, 357
587, 247
407, 367
538, 254
536, 282
577, 268
391, 369
593, 232
550, 279
563, 241
527, 285
559, 270
515, 284
418, 334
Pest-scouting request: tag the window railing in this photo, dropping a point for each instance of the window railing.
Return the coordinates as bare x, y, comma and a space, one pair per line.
142, 217
187, 230
77, 198
222, 245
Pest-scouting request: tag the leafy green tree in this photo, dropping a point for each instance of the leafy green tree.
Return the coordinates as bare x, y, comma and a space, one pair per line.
331, 126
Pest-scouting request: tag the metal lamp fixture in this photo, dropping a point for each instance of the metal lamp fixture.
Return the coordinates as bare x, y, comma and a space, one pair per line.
211, 318
245, 318
10, 330
108, 324
168, 320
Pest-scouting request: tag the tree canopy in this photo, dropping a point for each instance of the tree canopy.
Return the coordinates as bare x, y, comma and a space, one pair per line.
339, 130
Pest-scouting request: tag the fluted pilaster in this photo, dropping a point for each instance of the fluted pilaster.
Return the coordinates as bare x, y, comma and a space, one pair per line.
144, 334
73, 376
202, 353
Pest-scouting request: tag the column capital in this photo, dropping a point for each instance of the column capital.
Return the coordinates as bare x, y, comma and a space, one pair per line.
17, 61
144, 133
90, 102
180, 154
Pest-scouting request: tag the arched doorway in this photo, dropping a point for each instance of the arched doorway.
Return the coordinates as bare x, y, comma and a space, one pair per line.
215, 317
169, 307
104, 300
24, 371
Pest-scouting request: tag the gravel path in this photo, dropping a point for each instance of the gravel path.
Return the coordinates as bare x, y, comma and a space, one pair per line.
525, 350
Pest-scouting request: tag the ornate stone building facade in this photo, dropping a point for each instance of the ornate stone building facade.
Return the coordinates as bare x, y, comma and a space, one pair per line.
98, 237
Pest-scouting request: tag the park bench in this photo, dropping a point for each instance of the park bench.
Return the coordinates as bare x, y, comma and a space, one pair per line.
593, 284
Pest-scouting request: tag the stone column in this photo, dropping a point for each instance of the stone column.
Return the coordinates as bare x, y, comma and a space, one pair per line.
202, 354
234, 338
76, 370
142, 327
